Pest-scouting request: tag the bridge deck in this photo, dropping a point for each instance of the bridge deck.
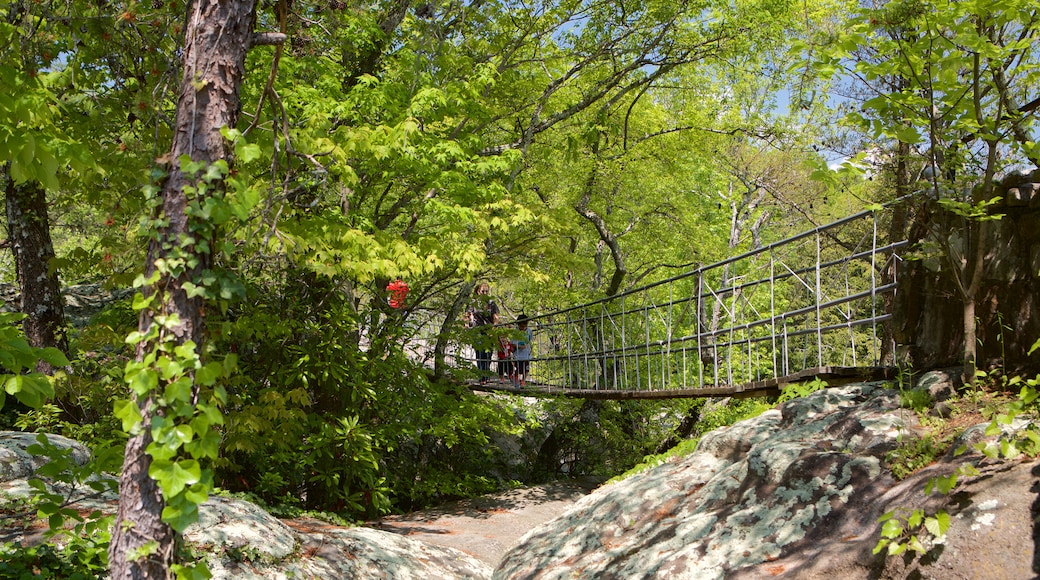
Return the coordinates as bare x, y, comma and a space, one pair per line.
834, 376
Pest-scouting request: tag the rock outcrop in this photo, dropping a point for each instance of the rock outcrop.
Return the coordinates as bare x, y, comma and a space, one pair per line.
240, 541
928, 310
793, 493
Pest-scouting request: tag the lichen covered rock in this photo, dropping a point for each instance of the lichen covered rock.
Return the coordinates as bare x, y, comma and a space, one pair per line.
17, 463
767, 497
239, 540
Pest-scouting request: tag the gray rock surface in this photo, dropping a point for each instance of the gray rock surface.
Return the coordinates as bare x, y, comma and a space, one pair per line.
241, 541
793, 493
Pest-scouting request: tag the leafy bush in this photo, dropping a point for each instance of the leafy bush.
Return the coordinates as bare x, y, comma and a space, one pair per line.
802, 389
318, 419
914, 454
80, 559
18, 359
76, 546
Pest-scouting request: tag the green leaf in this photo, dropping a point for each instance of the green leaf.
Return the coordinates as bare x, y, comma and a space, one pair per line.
54, 357
246, 152
180, 513
1035, 346
128, 412
169, 368
173, 476
197, 494
184, 433
198, 571
936, 526
144, 381
178, 391
206, 446
208, 374
31, 390
140, 302
891, 528
915, 519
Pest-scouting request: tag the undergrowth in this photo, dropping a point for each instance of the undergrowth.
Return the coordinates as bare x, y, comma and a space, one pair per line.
912, 532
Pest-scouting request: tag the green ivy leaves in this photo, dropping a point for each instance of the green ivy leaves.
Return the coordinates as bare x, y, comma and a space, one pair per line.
185, 433
177, 396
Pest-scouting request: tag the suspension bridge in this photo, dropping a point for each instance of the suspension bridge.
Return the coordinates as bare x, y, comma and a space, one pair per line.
810, 306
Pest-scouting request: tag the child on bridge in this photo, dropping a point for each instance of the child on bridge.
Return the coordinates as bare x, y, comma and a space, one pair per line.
521, 351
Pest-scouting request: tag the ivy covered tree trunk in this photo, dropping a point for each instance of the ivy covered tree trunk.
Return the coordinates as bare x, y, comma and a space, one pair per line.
217, 36
29, 236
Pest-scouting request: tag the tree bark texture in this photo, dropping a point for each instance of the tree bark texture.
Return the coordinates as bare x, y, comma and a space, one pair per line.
30, 239
217, 37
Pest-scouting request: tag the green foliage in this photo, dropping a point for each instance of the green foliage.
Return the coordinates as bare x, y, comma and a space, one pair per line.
913, 530
180, 393
76, 545
802, 389
18, 359
685, 447
918, 400
732, 412
1023, 441
978, 211
946, 483
422, 159
903, 530
307, 423
62, 468
79, 559
926, 44
910, 456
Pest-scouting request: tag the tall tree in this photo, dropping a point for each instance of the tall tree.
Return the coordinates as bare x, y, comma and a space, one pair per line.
33, 147
962, 95
29, 235
167, 378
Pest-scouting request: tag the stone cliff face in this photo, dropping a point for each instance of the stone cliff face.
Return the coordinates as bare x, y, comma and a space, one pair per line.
793, 493
928, 307
797, 493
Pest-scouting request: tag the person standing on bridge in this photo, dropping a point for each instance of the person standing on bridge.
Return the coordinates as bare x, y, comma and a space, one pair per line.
521, 351
482, 316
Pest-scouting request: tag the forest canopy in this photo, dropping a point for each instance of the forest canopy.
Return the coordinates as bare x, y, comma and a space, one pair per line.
247, 180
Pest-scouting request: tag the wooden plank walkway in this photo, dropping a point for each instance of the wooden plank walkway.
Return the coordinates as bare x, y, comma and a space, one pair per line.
835, 376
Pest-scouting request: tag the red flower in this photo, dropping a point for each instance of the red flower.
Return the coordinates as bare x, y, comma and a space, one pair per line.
398, 290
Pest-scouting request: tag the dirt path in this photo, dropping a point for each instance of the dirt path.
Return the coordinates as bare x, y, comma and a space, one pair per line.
486, 527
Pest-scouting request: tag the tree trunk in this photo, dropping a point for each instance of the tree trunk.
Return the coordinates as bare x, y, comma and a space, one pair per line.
444, 334
217, 36
30, 239
969, 340
898, 230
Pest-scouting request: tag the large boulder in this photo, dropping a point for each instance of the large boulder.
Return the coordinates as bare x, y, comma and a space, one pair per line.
795, 492
240, 541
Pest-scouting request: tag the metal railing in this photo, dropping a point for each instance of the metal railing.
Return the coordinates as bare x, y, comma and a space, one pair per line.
813, 300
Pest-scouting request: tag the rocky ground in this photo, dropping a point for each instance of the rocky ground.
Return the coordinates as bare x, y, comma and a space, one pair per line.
794, 493
486, 527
